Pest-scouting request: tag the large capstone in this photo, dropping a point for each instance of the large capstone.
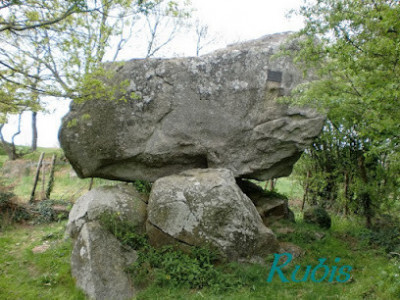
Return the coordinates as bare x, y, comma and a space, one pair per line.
215, 111
206, 207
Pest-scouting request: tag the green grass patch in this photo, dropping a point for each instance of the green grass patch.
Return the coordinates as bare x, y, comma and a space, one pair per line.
3, 159
289, 187
169, 274
26, 275
48, 152
374, 275
67, 186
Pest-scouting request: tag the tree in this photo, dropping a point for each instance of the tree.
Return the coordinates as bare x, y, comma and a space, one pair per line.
352, 50
167, 17
25, 15
203, 38
57, 48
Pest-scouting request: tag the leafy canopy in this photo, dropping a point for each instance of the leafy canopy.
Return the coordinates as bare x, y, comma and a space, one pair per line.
351, 50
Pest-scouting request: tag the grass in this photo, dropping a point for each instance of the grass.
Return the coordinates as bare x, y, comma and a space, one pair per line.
3, 159
374, 275
31, 276
289, 187
68, 186
25, 275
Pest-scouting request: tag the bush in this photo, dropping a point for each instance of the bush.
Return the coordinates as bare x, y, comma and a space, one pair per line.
124, 231
170, 267
47, 210
167, 266
318, 216
142, 186
11, 212
385, 233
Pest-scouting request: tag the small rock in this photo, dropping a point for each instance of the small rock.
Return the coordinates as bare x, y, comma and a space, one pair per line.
41, 249
319, 235
270, 205
284, 230
287, 247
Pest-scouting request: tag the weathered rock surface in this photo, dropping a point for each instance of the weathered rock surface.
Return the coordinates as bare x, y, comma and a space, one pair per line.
98, 259
271, 206
121, 199
98, 262
205, 206
215, 111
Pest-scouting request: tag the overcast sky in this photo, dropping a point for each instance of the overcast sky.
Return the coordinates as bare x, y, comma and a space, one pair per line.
230, 20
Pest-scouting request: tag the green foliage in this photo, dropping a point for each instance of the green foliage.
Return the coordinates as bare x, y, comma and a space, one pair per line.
47, 213
319, 216
5, 198
167, 266
25, 275
174, 268
124, 231
351, 49
289, 187
274, 195
142, 186
11, 212
64, 44
384, 233
2, 150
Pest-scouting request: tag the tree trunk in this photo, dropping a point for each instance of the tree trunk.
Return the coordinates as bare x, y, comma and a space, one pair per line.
306, 189
346, 192
272, 184
365, 197
34, 131
10, 147
91, 184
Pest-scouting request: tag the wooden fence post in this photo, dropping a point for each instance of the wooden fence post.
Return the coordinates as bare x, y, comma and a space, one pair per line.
51, 177
36, 177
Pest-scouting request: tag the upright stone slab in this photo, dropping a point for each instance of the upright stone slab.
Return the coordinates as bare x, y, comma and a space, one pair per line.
98, 259
215, 111
98, 264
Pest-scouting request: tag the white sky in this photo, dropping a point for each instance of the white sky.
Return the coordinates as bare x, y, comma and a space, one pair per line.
231, 20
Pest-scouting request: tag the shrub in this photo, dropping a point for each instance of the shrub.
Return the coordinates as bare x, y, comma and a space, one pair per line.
47, 212
318, 216
142, 186
124, 231
385, 233
11, 212
167, 266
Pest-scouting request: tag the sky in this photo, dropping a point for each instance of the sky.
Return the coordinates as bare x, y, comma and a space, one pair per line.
229, 21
